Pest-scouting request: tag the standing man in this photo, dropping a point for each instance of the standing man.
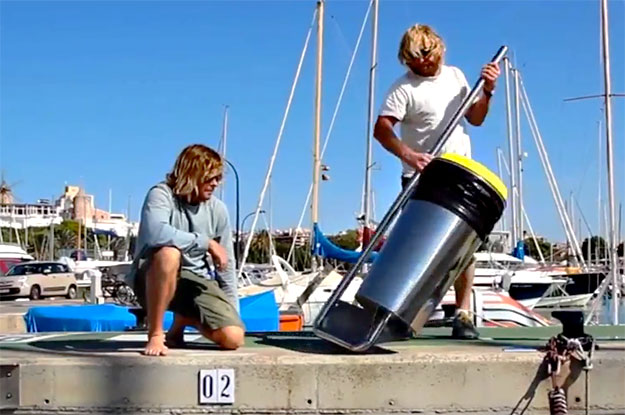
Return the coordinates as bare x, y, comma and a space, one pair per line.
184, 229
423, 101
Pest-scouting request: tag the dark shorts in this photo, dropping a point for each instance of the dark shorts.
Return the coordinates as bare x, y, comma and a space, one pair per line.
196, 297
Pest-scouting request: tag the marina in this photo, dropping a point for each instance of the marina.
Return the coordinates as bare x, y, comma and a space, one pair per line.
469, 291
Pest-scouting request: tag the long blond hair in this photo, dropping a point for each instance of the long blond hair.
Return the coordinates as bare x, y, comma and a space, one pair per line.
195, 165
420, 37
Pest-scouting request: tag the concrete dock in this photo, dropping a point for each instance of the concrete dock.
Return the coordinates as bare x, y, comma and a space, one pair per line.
501, 373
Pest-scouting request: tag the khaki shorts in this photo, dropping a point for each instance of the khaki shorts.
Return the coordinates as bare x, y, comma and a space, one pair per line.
196, 297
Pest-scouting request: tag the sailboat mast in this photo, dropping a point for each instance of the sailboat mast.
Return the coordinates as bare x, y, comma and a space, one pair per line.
613, 257
317, 124
519, 154
369, 157
599, 227
224, 138
511, 151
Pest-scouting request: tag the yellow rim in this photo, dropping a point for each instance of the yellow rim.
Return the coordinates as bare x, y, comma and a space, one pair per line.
480, 170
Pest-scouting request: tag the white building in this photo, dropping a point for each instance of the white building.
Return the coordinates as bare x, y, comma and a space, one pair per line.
24, 215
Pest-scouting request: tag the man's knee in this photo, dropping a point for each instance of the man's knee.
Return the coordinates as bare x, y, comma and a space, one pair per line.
166, 259
230, 337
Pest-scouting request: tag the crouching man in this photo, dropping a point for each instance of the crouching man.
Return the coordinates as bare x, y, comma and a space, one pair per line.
183, 230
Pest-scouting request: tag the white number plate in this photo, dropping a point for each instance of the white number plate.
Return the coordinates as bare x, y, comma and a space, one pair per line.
4, 291
216, 386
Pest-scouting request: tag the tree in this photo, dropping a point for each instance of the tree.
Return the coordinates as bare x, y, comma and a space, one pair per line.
259, 248
530, 248
347, 240
595, 242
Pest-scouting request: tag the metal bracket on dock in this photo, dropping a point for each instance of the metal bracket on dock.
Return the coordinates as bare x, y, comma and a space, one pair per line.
9, 386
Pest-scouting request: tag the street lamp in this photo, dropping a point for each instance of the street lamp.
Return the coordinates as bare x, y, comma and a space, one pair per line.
260, 212
238, 231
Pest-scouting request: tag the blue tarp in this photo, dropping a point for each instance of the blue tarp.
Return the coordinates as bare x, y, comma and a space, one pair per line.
259, 313
324, 247
104, 317
519, 250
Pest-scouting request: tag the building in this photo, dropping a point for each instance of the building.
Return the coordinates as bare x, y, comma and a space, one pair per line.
74, 204
301, 235
27, 215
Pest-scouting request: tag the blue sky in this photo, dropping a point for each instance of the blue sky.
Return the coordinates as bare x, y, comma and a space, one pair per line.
105, 94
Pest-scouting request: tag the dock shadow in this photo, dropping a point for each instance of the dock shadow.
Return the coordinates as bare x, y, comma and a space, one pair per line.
529, 395
542, 374
97, 346
307, 342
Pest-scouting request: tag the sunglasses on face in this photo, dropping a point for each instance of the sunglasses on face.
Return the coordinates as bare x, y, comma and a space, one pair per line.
421, 54
216, 178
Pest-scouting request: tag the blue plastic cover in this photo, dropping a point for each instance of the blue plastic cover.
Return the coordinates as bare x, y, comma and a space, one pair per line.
324, 247
259, 313
519, 250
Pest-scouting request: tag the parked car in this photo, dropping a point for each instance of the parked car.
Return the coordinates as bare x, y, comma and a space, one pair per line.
38, 279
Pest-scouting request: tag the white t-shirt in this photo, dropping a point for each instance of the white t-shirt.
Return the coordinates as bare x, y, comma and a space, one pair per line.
424, 106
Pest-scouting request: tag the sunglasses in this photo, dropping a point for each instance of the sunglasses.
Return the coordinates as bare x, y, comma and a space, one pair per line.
218, 178
422, 54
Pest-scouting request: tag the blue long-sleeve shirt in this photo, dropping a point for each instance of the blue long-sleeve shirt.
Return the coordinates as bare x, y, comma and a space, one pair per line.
166, 220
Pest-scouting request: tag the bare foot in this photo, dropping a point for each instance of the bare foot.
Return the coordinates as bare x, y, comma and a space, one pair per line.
156, 345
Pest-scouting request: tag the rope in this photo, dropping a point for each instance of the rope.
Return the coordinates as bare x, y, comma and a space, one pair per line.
327, 138
542, 152
277, 145
557, 402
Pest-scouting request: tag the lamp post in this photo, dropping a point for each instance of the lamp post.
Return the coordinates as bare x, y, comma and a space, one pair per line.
237, 207
260, 212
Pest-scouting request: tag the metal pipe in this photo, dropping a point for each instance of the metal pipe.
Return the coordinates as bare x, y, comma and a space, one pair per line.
511, 155
403, 197
610, 159
369, 161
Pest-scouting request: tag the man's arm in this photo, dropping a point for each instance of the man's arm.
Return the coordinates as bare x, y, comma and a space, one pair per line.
155, 216
478, 111
384, 133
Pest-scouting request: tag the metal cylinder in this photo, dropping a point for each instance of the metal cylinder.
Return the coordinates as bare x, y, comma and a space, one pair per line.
455, 205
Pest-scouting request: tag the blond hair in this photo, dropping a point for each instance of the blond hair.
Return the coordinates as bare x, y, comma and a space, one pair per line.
417, 38
195, 165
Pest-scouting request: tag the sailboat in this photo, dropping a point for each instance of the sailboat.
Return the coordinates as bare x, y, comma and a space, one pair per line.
310, 290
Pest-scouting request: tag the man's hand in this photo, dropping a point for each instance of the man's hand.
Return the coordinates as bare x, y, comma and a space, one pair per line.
490, 73
418, 161
220, 257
